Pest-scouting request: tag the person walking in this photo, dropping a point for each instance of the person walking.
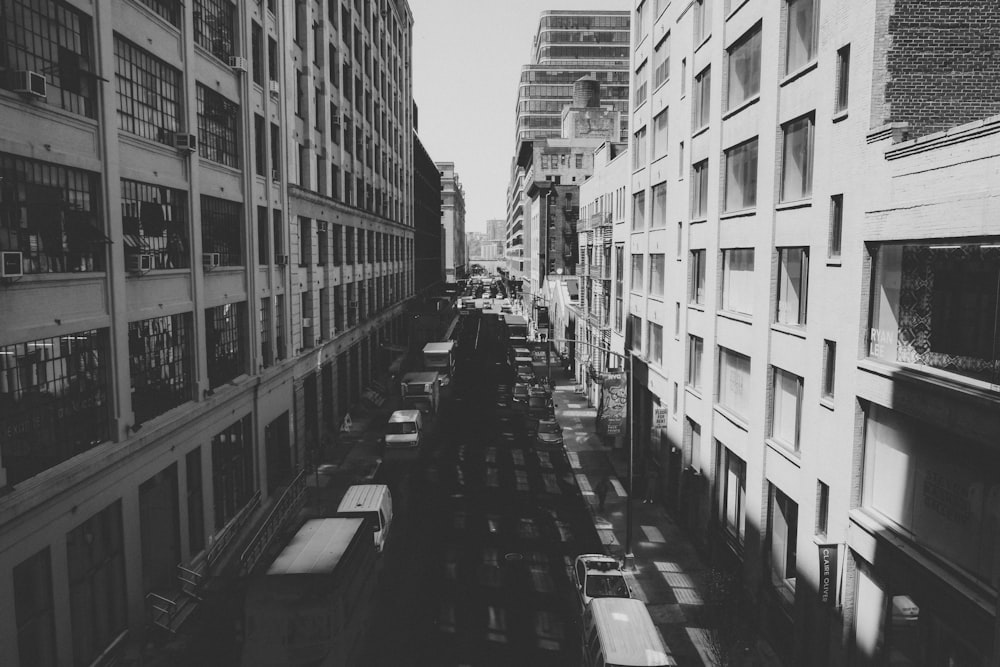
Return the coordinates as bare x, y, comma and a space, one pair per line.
652, 477
601, 490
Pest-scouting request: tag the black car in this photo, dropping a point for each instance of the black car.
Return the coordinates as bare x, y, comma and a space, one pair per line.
549, 434
540, 407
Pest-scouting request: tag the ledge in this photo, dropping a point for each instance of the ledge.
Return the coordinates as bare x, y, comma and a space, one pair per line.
734, 316
839, 115
736, 421
789, 205
742, 213
700, 131
800, 72
742, 105
789, 329
739, 5
793, 457
827, 402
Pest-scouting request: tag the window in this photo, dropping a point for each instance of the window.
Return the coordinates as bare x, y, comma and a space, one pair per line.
696, 286
640, 21
266, 354
636, 285
660, 126
160, 361
677, 319
168, 9
53, 38
786, 408
699, 191
307, 322
935, 306
279, 326
702, 98
226, 342
196, 517
661, 61
322, 244
702, 20
233, 481
217, 128
275, 153
639, 211
351, 252
836, 225
278, 235
680, 241
829, 368
214, 27
843, 77
257, 52
737, 280
793, 286
744, 69
654, 337
659, 215
822, 508
54, 393
681, 168
305, 241
272, 59
222, 229
154, 222
734, 382
782, 528
337, 245
260, 145
797, 159
635, 332
34, 611
639, 149
696, 350
657, 274
741, 176
148, 92
578, 160
619, 284
800, 38
731, 474
684, 66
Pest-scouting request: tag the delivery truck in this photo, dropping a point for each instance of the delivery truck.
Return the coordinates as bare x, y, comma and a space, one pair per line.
440, 357
421, 391
314, 601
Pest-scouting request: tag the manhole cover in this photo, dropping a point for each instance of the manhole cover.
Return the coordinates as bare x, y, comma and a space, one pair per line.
514, 557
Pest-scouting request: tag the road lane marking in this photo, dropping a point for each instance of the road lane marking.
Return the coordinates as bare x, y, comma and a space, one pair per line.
574, 460
653, 534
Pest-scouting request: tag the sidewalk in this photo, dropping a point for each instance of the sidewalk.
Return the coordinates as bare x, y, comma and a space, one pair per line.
667, 573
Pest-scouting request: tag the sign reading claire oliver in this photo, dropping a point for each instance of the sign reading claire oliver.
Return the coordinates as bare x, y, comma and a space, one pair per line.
828, 574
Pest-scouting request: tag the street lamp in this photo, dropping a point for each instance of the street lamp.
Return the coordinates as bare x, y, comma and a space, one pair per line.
627, 362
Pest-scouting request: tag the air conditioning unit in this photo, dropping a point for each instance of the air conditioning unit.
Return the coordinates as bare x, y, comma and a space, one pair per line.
30, 84
238, 63
211, 259
274, 87
185, 142
281, 260
139, 263
275, 175
307, 322
11, 264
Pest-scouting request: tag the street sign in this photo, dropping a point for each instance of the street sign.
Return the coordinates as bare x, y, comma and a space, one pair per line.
659, 417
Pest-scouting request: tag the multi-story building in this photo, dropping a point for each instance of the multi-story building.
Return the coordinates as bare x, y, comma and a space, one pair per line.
206, 223
803, 277
453, 219
427, 230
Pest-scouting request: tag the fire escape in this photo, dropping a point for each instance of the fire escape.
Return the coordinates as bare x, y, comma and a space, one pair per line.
596, 257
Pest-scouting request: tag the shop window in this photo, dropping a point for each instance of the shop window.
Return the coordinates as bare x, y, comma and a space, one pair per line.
95, 555
226, 342
734, 382
222, 229
148, 93
935, 306
160, 364
53, 401
154, 222
51, 215
731, 474
233, 480
34, 612
782, 529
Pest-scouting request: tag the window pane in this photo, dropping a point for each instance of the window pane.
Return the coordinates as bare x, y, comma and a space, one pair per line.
801, 35
695, 352
702, 98
637, 282
734, 382
836, 224
744, 69
796, 164
741, 176
659, 215
785, 408
696, 292
793, 267
843, 77
657, 275
661, 61
660, 134
639, 210
699, 191
737, 280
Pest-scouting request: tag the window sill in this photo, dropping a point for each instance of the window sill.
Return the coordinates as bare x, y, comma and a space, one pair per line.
736, 317
800, 72
703, 42
661, 85
789, 205
700, 307
698, 221
834, 261
700, 131
741, 213
742, 105
27, 278
799, 331
739, 5
731, 416
791, 455
839, 116
827, 402
693, 390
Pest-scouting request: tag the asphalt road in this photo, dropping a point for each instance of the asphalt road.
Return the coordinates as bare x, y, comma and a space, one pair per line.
477, 567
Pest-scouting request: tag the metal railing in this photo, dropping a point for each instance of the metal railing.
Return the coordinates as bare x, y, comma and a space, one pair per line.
287, 505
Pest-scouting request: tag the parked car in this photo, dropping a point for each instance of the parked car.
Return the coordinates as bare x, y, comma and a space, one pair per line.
521, 393
599, 576
549, 434
540, 407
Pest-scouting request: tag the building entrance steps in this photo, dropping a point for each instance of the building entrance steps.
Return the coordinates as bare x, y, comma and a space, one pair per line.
667, 572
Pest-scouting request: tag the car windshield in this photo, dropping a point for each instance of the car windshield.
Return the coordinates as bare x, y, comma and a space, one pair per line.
538, 401
400, 428
548, 427
606, 586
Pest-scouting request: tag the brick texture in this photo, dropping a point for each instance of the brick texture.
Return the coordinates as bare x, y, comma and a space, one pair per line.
940, 63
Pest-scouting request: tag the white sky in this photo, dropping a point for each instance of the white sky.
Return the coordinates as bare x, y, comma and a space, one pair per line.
467, 58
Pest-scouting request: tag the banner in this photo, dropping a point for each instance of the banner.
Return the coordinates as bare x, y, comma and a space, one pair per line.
828, 575
612, 405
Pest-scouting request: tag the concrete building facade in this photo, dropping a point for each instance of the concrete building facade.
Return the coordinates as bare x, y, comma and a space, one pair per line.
206, 220
792, 251
453, 218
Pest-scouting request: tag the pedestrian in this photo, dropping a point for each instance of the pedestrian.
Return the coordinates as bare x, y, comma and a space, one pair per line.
601, 490
651, 479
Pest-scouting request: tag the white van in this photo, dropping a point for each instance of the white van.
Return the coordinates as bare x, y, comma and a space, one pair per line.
374, 501
404, 431
618, 632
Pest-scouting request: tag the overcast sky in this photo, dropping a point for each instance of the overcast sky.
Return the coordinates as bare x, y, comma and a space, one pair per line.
466, 64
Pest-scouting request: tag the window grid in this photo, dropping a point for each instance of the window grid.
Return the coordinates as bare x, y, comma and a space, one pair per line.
232, 470
154, 222
218, 120
51, 214
148, 92
160, 364
53, 39
661, 61
222, 229
214, 26
167, 9
226, 342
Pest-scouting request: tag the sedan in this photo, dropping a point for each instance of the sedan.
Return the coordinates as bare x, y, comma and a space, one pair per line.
540, 407
599, 576
549, 434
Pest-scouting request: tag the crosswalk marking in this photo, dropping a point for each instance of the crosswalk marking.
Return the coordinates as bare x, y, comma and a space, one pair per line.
676, 579
653, 534
584, 484
688, 596
667, 566
574, 460
608, 538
